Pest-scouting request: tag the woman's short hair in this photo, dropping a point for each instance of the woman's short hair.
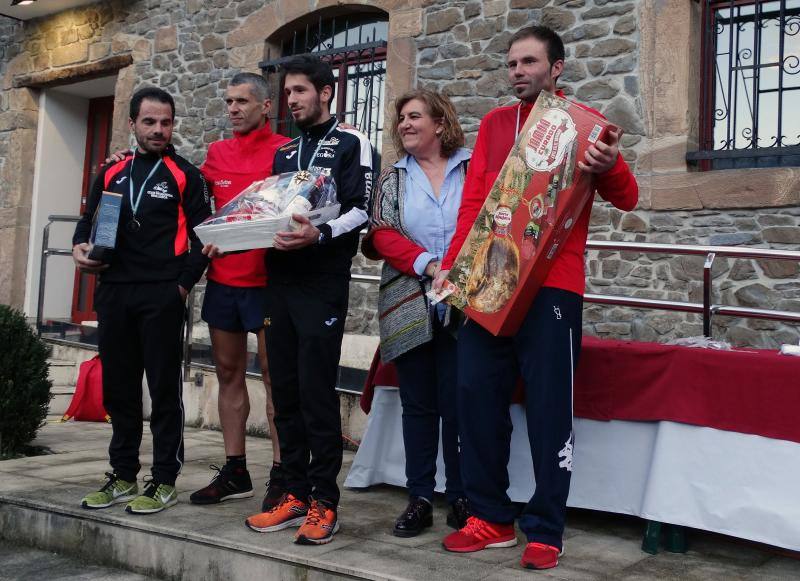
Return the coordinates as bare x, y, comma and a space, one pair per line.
439, 107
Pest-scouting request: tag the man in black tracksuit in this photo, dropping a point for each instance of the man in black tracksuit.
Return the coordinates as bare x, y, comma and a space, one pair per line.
309, 274
140, 301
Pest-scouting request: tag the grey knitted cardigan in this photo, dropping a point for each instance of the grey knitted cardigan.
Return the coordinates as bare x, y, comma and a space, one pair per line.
404, 316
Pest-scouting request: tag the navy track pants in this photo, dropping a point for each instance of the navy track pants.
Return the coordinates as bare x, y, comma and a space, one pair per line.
545, 353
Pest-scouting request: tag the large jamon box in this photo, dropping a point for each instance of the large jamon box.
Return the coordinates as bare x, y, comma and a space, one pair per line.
528, 215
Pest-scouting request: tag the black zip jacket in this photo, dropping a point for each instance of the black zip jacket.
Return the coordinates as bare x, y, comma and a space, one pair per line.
174, 201
346, 155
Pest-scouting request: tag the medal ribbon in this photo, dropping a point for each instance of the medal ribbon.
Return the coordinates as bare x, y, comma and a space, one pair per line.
135, 203
316, 151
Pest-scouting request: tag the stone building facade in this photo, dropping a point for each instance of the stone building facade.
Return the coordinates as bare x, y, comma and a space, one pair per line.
635, 60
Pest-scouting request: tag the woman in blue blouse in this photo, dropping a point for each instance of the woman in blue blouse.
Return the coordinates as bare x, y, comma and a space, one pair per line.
413, 216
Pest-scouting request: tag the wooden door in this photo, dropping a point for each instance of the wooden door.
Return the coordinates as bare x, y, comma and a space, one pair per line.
98, 141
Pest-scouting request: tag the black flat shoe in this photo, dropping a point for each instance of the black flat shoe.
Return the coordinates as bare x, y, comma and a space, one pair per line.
459, 513
417, 516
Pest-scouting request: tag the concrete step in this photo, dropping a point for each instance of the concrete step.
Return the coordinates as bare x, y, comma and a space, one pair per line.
62, 372
39, 507
62, 396
20, 562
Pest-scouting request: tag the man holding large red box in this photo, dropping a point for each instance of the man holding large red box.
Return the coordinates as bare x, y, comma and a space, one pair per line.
545, 349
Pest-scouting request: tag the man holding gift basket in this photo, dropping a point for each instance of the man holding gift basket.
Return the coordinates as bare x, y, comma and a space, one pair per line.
544, 351
309, 269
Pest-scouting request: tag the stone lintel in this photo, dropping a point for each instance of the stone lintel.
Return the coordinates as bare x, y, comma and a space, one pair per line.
74, 74
724, 189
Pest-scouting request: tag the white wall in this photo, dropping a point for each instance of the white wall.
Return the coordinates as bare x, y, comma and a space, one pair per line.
58, 179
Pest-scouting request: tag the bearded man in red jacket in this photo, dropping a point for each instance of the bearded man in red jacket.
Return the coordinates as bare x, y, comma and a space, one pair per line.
545, 349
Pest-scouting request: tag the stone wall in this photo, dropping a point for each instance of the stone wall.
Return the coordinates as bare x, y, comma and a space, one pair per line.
190, 48
461, 51
624, 58
770, 284
182, 47
17, 144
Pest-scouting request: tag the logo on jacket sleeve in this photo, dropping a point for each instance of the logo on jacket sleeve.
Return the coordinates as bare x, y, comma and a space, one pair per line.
206, 195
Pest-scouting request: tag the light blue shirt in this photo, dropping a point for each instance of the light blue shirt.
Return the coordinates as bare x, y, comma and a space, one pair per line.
431, 221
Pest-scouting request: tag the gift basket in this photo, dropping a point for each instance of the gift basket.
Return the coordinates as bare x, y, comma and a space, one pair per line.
251, 219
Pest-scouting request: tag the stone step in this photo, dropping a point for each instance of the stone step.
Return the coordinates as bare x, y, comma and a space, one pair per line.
62, 396
39, 506
62, 372
157, 550
20, 562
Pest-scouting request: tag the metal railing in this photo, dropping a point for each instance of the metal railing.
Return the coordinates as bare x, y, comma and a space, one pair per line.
46, 253
707, 309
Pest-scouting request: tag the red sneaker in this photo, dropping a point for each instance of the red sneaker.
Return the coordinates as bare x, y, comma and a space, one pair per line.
540, 556
479, 534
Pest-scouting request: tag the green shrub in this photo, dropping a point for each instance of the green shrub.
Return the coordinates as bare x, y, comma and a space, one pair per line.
24, 385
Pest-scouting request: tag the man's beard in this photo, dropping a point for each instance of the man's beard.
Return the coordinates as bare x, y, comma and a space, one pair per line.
312, 118
148, 147
529, 94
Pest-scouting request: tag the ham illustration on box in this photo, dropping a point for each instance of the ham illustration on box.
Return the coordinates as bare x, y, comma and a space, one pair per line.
537, 197
254, 216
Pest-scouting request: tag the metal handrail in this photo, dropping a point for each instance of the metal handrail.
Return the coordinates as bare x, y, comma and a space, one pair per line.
46, 253
707, 309
693, 249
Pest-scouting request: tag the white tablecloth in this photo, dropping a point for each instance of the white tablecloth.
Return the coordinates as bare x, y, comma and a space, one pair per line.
731, 483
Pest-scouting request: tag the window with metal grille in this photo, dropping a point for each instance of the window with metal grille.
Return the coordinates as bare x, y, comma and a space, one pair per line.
355, 47
751, 86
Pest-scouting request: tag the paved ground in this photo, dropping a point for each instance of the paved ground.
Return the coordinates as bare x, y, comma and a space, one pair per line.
26, 564
598, 545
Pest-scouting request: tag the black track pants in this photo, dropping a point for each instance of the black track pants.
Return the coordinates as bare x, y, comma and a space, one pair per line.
304, 341
140, 329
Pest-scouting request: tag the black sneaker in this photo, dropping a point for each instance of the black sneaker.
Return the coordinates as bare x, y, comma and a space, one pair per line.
228, 484
276, 489
459, 513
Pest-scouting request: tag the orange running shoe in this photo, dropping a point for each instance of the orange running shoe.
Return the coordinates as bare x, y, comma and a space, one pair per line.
290, 512
320, 526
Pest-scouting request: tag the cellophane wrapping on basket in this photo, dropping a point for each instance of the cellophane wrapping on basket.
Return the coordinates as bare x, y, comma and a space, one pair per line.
251, 219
